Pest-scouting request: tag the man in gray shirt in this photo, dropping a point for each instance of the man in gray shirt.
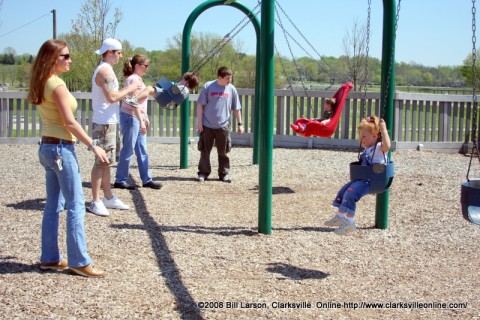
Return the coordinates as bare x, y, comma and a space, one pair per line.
217, 100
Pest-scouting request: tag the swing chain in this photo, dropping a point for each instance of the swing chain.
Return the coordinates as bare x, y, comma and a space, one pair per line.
293, 57
305, 39
474, 91
389, 73
226, 39
474, 72
367, 49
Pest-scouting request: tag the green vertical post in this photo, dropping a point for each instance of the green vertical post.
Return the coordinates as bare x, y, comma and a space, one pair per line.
185, 107
258, 99
388, 83
266, 117
187, 30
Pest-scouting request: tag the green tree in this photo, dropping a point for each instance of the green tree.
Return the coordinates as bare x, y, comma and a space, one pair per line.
88, 30
467, 69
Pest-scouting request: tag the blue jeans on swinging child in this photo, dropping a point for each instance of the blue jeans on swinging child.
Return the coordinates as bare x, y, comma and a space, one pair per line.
348, 196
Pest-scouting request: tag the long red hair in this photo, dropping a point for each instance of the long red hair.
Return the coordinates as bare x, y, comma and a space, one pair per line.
42, 69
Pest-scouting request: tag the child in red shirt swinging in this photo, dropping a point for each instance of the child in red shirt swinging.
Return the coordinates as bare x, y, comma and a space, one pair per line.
329, 109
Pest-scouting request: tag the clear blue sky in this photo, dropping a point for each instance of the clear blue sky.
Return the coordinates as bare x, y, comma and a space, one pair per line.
430, 32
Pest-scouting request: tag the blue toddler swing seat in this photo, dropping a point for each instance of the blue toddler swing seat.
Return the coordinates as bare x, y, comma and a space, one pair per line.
380, 175
470, 189
170, 94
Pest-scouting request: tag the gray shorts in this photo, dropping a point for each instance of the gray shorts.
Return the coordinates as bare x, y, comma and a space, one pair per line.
106, 137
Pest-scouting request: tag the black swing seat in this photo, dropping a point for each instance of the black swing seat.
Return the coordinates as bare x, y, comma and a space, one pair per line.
470, 200
171, 93
380, 175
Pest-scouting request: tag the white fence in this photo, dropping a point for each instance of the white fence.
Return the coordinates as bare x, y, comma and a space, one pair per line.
439, 122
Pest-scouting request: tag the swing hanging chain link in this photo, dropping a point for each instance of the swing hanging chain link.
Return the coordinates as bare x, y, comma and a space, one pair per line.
474, 72
389, 73
474, 92
293, 58
228, 37
367, 49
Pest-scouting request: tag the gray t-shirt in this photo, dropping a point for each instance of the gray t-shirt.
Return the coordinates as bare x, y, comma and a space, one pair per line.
219, 101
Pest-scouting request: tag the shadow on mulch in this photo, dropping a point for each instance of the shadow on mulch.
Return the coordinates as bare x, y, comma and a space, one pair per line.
7, 267
31, 204
187, 306
277, 190
222, 231
295, 273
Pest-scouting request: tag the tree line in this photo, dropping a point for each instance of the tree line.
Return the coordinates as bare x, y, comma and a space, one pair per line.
92, 25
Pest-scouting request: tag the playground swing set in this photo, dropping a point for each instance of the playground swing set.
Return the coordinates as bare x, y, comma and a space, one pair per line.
171, 95
380, 175
470, 189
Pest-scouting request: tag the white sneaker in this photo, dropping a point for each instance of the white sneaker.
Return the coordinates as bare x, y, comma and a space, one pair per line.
115, 203
334, 222
345, 228
98, 208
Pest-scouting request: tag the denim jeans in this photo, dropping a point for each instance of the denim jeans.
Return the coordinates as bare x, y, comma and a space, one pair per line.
221, 139
349, 194
132, 142
64, 191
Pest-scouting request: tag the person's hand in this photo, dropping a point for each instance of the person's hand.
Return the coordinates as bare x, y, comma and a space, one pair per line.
100, 154
143, 127
382, 125
199, 127
240, 129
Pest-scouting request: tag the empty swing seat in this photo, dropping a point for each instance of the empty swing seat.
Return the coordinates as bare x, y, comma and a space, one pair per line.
171, 93
379, 175
470, 200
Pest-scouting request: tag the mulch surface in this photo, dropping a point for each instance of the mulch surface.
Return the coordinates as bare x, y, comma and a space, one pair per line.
194, 244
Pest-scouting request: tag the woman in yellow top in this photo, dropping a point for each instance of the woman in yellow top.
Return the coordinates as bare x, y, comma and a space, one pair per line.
57, 156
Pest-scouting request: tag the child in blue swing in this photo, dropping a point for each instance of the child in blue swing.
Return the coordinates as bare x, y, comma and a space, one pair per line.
188, 82
374, 138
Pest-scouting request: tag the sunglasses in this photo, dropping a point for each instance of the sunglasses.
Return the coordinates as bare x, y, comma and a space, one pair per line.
66, 56
145, 65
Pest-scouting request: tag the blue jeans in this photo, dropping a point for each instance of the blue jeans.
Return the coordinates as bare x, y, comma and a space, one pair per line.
132, 142
64, 191
349, 194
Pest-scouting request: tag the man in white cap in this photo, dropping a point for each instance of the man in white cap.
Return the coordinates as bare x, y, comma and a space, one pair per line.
105, 104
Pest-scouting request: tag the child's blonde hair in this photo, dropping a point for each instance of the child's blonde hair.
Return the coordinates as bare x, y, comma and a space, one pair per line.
372, 123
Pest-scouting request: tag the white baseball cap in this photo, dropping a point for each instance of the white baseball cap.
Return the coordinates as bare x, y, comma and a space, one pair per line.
109, 44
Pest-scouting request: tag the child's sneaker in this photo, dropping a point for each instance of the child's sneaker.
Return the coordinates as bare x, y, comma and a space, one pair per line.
336, 221
345, 228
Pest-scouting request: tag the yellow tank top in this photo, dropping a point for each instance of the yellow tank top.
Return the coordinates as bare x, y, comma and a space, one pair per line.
53, 125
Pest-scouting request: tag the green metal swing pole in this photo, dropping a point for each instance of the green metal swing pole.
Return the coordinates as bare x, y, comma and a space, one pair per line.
266, 118
388, 83
187, 31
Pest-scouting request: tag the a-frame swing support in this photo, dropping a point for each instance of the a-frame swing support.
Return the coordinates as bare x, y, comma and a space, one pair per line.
265, 99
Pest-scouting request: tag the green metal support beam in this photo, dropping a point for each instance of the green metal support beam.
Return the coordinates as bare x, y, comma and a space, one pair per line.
266, 118
187, 31
387, 93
